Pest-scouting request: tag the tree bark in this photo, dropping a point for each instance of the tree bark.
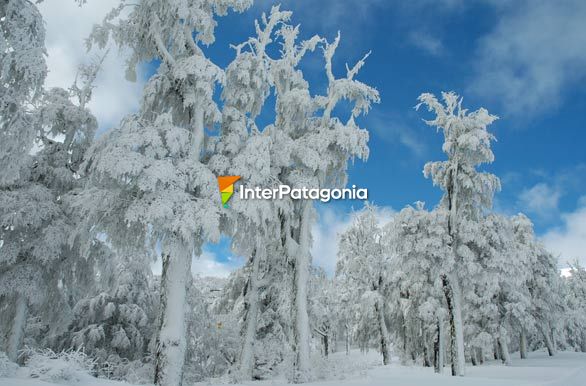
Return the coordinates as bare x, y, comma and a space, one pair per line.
438, 350
16, 338
452, 295
442, 346
497, 349
384, 333
302, 368
247, 354
347, 339
548, 343
523, 344
197, 137
171, 342
553, 341
503, 344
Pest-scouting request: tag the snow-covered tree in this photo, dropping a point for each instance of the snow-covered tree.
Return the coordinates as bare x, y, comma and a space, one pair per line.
500, 300
150, 174
575, 301
320, 147
117, 323
523, 251
545, 287
467, 195
304, 146
22, 75
244, 150
47, 133
418, 242
362, 268
212, 338
324, 309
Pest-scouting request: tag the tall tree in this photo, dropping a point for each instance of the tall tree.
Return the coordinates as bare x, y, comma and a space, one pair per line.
151, 172
307, 147
319, 146
467, 195
243, 150
22, 74
44, 134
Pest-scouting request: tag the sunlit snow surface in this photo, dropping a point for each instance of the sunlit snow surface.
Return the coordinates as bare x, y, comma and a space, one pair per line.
564, 369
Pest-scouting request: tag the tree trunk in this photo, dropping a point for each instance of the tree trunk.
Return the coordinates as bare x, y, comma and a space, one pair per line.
347, 339
548, 343
326, 345
301, 279
497, 349
442, 346
383, 331
16, 337
553, 341
583, 345
438, 350
171, 343
452, 295
247, 354
197, 137
436, 367
506, 357
523, 344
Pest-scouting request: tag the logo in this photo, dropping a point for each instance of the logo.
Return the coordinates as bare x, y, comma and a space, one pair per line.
226, 184
303, 193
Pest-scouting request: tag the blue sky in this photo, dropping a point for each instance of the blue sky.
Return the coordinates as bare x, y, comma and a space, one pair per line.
524, 61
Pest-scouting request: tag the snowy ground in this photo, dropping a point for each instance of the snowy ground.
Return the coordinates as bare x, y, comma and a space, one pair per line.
565, 369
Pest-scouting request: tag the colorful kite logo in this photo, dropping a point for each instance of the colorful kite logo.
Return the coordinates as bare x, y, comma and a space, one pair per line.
226, 184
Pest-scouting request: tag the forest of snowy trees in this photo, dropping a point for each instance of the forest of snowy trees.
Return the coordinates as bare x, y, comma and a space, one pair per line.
83, 217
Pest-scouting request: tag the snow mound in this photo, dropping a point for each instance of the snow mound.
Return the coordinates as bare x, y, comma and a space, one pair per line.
67, 367
7, 367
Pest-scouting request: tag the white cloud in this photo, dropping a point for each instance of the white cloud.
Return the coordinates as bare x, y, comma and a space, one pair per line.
427, 43
206, 265
535, 51
331, 223
566, 272
393, 129
68, 25
569, 241
541, 200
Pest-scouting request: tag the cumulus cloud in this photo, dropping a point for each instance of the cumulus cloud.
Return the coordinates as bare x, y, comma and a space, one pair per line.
533, 53
569, 241
331, 223
541, 200
68, 25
